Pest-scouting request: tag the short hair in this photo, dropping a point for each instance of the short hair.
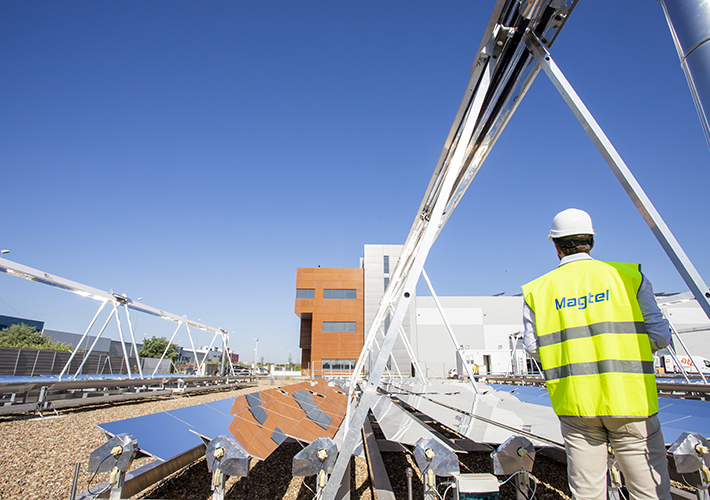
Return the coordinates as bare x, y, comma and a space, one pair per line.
575, 243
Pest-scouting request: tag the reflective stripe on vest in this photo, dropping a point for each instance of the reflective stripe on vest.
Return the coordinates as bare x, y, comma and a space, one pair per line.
592, 341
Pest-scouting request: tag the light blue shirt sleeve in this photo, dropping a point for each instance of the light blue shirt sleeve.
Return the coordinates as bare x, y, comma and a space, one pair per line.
657, 327
529, 335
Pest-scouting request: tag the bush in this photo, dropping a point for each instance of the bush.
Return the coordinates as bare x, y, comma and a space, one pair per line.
154, 347
27, 337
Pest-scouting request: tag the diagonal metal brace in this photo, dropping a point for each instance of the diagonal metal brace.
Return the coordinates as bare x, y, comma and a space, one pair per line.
649, 213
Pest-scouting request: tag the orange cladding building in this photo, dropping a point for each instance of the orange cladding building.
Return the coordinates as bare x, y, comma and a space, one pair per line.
330, 303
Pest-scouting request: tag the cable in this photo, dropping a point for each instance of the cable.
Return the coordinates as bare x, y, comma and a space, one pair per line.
88, 484
520, 491
535, 480
308, 487
8, 305
443, 497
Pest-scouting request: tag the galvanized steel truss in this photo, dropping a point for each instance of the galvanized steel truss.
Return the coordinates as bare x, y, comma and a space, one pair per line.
117, 301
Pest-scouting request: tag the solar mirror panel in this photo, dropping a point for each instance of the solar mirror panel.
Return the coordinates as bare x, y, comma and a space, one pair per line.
254, 437
292, 419
259, 422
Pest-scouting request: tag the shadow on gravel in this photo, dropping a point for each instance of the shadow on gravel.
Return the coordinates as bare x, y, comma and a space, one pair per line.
268, 479
191, 482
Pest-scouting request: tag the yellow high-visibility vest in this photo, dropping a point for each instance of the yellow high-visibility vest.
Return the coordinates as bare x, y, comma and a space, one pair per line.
594, 350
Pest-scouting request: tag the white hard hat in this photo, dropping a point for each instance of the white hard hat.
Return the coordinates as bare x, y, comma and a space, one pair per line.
569, 222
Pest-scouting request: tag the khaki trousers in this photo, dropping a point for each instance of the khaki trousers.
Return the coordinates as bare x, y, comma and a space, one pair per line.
639, 450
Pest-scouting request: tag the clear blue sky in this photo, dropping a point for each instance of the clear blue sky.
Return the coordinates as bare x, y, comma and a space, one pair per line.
196, 153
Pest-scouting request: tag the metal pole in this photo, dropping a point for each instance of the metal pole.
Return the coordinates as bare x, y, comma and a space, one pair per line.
682, 344
678, 363
34, 365
123, 344
649, 213
204, 359
133, 339
410, 351
75, 481
457, 346
192, 344
410, 473
231, 365
224, 354
166, 349
402, 292
96, 340
91, 324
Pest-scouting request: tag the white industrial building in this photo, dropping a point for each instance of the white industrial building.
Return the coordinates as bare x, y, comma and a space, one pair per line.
486, 327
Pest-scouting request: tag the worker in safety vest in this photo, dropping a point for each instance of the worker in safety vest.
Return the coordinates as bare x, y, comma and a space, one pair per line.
594, 327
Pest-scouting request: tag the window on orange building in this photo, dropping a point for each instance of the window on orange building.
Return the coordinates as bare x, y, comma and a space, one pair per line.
338, 293
338, 326
305, 293
338, 364
387, 264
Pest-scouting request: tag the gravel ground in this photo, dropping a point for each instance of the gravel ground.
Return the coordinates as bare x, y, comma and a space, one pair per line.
37, 459
38, 456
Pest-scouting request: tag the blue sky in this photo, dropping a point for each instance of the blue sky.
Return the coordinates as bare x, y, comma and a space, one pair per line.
196, 153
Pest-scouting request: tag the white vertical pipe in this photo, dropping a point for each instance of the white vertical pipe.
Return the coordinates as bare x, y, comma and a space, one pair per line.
166, 349
123, 344
457, 346
194, 351
133, 338
96, 340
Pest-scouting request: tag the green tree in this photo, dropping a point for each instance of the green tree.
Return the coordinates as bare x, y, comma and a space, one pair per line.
155, 346
27, 337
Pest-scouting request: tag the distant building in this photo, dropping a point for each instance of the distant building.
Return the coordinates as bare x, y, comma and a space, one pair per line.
330, 305
8, 321
187, 355
338, 306
332, 338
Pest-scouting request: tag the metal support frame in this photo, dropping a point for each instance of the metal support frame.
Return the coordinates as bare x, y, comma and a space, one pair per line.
133, 339
123, 343
649, 213
91, 349
38, 276
91, 324
412, 357
513, 340
479, 122
674, 333
162, 357
450, 330
408, 270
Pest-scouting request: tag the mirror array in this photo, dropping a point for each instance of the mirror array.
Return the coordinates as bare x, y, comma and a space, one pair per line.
259, 421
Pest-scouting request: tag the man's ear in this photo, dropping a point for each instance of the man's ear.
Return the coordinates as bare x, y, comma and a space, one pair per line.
557, 248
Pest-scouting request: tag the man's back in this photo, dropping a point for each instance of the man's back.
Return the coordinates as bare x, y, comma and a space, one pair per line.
591, 339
